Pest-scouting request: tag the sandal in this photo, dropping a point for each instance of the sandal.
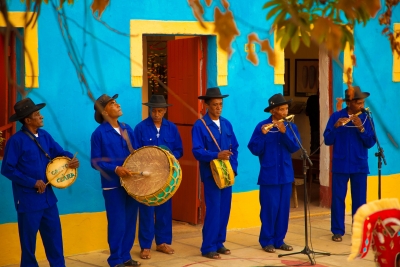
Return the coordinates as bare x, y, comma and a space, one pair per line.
337, 238
145, 254
164, 248
212, 255
269, 249
132, 263
286, 247
224, 250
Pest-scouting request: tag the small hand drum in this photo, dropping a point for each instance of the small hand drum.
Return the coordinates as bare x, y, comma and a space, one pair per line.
222, 172
164, 177
58, 174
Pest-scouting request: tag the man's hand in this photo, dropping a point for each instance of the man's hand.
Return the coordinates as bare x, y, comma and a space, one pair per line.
281, 126
41, 186
224, 154
122, 171
356, 121
73, 163
265, 128
341, 122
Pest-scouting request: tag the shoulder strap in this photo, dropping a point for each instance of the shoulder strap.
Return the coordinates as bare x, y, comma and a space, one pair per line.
212, 136
36, 141
125, 135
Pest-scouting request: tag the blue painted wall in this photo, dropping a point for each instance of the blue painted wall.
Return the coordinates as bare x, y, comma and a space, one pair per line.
69, 111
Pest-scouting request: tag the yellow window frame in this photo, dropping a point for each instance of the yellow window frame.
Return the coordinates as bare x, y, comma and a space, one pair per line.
31, 44
140, 27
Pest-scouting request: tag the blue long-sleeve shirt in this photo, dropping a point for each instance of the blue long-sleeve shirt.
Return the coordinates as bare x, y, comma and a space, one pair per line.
274, 151
350, 146
108, 150
205, 150
24, 164
146, 134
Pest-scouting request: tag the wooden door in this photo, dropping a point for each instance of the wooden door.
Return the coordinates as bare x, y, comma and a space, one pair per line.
186, 79
7, 86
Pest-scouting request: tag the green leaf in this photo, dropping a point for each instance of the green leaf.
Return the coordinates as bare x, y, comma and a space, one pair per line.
280, 33
279, 18
285, 40
273, 11
270, 3
295, 43
305, 37
291, 28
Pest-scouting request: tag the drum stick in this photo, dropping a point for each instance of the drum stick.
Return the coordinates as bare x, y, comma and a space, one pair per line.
145, 173
64, 171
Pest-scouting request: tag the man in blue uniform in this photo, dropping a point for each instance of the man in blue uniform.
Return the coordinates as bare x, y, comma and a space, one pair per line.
26, 156
111, 144
218, 201
274, 146
157, 131
351, 137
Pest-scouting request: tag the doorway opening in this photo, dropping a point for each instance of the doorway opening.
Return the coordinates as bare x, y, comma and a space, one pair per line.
305, 84
180, 63
12, 74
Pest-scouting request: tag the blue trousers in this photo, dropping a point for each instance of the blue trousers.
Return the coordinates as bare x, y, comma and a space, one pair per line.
47, 222
358, 184
161, 228
121, 212
218, 207
274, 214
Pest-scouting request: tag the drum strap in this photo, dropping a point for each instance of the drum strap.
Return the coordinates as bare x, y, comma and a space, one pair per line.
212, 136
36, 141
125, 135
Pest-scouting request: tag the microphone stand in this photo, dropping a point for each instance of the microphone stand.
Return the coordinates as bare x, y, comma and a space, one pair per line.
307, 251
378, 154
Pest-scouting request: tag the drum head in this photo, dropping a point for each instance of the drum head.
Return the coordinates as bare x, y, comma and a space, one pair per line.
150, 159
58, 173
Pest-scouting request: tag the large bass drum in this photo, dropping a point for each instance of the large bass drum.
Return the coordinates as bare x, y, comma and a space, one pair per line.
163, 179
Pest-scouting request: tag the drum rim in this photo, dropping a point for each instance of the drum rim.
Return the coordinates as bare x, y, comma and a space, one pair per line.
145, 199
61, 187
171, 158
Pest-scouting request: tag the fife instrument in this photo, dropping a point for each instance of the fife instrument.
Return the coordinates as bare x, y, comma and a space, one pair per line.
351, 116
287, 118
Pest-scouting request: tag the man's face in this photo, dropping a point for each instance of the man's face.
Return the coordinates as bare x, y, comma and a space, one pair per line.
356, 105
214, 108
35, 120
113, 109
280, 112
157, 114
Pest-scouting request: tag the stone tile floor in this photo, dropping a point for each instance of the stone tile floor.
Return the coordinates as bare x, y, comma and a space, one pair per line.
245, 248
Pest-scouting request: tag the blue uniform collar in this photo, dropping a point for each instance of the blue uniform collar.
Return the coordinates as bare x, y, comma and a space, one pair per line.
108, 126
209, 121
149, 121
23, 128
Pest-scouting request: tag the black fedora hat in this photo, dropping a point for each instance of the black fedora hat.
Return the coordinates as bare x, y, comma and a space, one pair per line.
157, 101
100, 104
213, 92
24, 108
275, 101
357, 94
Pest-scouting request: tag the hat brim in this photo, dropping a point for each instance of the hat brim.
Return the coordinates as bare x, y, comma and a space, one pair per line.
204, 97
268, 109
157, 105
363, 95
97, 114
16, 117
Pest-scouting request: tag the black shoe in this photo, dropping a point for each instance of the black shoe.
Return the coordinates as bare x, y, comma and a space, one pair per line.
131, 263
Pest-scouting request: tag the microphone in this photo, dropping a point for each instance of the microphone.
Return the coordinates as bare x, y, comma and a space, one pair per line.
365, 110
